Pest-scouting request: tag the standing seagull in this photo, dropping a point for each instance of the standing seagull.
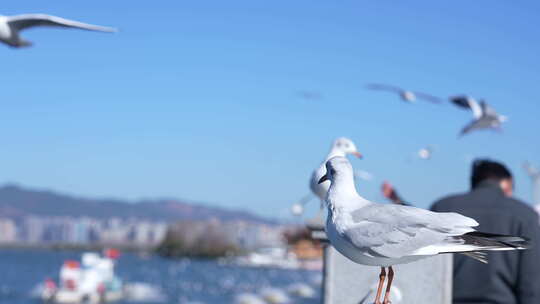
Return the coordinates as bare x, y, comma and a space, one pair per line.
485, 116
341, 147
388, 234
11, 26
407, 96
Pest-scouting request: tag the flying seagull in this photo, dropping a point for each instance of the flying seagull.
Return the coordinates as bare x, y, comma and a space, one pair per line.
341, 147
388, 234
406, 95
425, 152
310, 95
484, 116
297, 209
11, 26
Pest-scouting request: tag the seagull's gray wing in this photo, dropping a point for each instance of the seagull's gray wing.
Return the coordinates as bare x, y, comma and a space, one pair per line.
21, 22
395, 231
487, 110
384, 87
485, 122
428, 97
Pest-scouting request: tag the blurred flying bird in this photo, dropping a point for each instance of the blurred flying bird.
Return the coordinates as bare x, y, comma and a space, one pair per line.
363, 175
425, 153
297, 209
534, 174
485, 117
341, 147
406, 95
11, 26
310, 95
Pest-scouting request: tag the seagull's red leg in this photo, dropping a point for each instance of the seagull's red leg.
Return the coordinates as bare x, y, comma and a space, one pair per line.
389, 285
382, 276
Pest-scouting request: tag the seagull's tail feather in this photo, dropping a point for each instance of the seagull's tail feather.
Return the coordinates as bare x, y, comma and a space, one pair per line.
479, 256
489, 241
472, 244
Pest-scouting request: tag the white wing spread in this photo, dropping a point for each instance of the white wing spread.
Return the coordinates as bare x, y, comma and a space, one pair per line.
395, 231
475, 108
384, 87
21, 22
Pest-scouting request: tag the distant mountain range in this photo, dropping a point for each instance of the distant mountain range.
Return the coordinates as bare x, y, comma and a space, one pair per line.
16, 201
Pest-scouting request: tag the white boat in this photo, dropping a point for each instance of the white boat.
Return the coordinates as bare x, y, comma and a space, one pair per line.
270, 257
91, 281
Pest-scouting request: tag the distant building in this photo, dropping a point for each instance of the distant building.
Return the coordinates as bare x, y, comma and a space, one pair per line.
83, 230
8, 230
32, 230
133, 231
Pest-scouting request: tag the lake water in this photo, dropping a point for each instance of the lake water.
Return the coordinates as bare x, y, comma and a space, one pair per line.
177, 281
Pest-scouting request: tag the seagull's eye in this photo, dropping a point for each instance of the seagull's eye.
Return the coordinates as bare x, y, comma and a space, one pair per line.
332, 172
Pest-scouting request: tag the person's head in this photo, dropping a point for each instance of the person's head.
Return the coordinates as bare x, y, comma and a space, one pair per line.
485, 169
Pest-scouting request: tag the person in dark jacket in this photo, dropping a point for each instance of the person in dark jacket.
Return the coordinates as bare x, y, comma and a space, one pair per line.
509, 277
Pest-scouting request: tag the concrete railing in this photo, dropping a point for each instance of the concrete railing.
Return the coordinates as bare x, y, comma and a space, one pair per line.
428, 281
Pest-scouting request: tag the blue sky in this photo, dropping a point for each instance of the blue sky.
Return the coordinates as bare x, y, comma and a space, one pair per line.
198, 100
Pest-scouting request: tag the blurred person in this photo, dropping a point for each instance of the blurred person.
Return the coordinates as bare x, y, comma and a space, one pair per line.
389, 192
510, 277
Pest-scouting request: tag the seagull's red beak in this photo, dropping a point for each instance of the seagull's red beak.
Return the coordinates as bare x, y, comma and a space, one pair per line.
358, 154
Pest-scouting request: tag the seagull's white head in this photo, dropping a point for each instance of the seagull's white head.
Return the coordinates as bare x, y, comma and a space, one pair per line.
338, 167
345, 146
